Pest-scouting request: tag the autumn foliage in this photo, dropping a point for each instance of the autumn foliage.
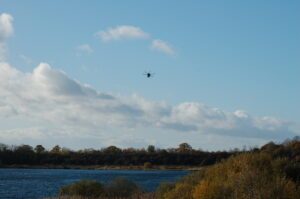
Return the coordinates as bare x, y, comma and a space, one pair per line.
271, 172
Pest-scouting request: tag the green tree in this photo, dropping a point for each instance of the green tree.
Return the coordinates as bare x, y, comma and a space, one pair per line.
24, 149
39, 149
56, 149
24, 154
2, 147
151, 149
112, 149
184, 147
65, 151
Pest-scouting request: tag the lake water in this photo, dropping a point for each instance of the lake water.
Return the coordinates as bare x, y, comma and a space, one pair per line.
40, 183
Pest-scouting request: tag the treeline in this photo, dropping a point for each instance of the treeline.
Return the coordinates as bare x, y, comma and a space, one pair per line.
183, 155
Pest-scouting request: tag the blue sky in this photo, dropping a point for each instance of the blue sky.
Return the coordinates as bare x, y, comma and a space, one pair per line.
233, 55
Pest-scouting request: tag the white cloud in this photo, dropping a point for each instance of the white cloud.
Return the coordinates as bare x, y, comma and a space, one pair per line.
6, 27
162, 46
6, 30
122, 32
133, 32
193, 116
54, 105
47, 106
86, 48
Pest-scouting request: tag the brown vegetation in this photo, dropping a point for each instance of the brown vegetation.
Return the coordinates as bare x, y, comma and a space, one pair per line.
272, 172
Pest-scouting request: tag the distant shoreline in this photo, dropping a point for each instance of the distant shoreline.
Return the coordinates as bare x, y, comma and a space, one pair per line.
101, 167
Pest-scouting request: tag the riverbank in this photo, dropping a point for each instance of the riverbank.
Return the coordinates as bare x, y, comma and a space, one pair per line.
105, 167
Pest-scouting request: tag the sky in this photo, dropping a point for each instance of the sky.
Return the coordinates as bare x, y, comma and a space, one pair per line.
226, 73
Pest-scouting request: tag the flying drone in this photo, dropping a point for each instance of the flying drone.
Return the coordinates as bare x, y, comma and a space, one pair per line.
149, 74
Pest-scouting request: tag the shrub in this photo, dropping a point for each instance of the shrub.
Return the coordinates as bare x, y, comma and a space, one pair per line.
85, 188
121, 187
246, 176
211, 190
255, 175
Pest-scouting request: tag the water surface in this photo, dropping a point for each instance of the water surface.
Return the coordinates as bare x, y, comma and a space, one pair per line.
40, 183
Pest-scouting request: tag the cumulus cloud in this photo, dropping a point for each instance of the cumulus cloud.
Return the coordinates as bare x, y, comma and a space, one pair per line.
86, 48
122, 32
6, 30
162, 46
49, 99
47, 106
193, 116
